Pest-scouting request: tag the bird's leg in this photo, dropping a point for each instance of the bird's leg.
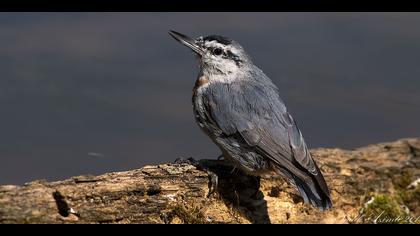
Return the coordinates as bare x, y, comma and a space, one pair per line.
257, 190
213, 183
222, 158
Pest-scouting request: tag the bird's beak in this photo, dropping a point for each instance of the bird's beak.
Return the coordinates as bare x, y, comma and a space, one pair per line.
187, 41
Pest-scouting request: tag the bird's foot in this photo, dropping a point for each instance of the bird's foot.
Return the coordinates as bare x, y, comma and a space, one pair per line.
207, 165
189, 161
204, 165
221, 157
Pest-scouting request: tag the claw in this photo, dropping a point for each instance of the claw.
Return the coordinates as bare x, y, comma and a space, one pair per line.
220, 157
213, 183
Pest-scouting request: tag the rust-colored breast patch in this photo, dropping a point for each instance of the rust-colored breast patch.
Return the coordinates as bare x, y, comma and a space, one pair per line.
202, 80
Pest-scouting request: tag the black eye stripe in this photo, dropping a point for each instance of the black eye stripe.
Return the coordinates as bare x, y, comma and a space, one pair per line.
230, 54
226, 54
233, 57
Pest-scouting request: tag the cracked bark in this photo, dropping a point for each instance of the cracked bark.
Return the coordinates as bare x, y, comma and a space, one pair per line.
176, 193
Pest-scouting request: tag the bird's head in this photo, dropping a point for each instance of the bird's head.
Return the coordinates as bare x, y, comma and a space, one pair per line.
216, 54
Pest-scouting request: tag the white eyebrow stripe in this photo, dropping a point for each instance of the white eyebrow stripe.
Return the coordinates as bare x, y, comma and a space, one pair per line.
224, 47
216, 44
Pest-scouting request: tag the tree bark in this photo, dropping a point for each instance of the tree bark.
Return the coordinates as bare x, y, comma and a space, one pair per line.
367, 185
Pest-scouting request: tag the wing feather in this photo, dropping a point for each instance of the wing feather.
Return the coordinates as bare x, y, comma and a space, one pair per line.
261, 118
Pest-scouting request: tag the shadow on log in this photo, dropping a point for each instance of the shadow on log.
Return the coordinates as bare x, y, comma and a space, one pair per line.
239, 190
374, 184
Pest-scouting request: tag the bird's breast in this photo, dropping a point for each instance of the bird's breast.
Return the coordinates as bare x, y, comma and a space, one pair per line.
201, 114
201, 82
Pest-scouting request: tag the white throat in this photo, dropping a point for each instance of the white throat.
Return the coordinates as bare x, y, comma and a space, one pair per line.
212, 78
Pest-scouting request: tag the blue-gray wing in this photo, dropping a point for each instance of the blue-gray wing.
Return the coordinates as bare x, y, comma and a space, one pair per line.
258, 114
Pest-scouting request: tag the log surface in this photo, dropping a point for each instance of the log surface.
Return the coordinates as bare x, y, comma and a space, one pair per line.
384, 176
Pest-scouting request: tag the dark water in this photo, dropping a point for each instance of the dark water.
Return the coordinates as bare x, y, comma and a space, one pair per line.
87, 93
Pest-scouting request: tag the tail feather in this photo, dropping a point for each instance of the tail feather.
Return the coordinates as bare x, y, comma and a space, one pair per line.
312, 188
313, 194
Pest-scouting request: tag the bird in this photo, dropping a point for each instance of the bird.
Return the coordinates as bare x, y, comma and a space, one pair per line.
239, 108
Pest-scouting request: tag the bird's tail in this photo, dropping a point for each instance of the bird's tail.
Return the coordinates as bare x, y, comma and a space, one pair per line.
312, 192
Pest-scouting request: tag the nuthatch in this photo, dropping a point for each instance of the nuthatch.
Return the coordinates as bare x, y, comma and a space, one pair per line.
241, 111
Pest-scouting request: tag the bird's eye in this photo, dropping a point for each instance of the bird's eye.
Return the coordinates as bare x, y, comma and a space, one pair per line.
217, 51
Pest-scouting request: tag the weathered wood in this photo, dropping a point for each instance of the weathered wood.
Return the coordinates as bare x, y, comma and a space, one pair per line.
363, 181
